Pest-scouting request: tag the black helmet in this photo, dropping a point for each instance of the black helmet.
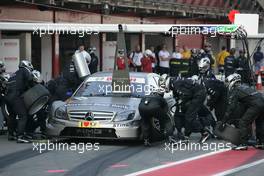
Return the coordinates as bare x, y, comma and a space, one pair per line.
26, 64
2, 67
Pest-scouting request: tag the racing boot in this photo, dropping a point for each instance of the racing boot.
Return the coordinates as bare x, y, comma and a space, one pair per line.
259, 145
23, 139
205, 137
240, 147
147, 142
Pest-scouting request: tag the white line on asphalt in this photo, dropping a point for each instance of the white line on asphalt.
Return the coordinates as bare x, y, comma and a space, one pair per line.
240, 168
176, 163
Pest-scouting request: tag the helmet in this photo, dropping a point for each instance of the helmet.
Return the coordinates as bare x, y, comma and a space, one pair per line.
147, 52
201, 51
194, 52
121, 52
92, 49
233, 81
37, 76
204, 64
2, 67
176, 55
26, 64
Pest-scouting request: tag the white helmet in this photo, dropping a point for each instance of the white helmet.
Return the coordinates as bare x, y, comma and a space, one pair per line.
233, 81
201, 51
92, 49
147, 52
204, 64
176, 55
26, 64
37, 76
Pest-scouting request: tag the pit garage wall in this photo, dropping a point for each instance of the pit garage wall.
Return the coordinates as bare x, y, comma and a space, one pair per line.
22, 14
252, 43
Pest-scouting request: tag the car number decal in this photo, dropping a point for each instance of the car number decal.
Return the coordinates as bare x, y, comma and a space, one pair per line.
89, 124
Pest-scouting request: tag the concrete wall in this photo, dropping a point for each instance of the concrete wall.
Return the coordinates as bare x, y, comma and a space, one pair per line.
24, 43
46, 57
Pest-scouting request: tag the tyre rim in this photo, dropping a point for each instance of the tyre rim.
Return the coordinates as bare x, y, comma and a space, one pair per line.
156, 123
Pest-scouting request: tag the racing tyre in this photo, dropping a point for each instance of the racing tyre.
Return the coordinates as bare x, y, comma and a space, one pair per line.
156, 134
35, 98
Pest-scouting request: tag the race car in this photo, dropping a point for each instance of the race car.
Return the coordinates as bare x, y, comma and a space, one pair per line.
95, 111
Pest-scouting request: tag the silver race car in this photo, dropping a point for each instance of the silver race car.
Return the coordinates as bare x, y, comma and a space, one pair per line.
95, 111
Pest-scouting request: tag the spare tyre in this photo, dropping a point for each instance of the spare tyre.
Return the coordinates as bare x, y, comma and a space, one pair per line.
35, 98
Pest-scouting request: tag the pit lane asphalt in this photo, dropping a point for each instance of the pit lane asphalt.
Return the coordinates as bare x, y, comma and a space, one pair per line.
114, 158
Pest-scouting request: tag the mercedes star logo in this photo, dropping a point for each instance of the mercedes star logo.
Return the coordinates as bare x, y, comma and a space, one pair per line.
89, 116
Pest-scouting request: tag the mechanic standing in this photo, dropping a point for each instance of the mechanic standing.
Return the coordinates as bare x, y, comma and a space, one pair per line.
18, 84
3, 81
193, 63
231, 63
243, 67
85, 54
189, 97
253, 102
209, 54
205, 71
94, 60
221, 56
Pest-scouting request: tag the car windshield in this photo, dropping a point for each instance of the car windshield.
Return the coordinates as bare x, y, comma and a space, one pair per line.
104, 88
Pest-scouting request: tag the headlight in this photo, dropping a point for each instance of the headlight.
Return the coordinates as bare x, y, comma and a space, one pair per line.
123, 116
60, 113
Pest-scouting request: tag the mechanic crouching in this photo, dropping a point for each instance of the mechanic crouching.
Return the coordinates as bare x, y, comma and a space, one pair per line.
154, 106
189, 96
18, 84
216, 97
253, 103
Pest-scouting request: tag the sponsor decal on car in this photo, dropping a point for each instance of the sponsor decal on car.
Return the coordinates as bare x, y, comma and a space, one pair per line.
121, 125
88, 124
109, 79
120, 106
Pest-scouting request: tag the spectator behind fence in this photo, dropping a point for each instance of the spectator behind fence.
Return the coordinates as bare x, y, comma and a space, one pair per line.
164, 57
147, 61
135, 58
154, 59
177, 54
231, 63
186, 54
258, 59
121, 60
220, 59
243, 67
